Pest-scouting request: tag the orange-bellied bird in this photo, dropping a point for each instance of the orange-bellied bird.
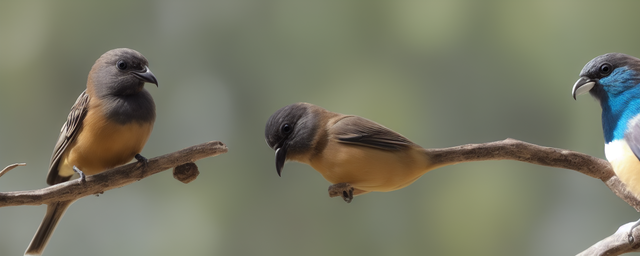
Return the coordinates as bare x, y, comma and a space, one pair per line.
614, 80
355, 154
108, 126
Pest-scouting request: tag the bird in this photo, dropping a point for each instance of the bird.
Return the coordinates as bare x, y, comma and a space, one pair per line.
613, 79
356, 155
108, 126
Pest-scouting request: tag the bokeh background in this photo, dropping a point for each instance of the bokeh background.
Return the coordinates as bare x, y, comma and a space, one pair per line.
442, 73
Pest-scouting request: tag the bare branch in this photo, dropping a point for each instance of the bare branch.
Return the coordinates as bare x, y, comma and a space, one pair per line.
510, 149
616, 244
10, 167
114, 178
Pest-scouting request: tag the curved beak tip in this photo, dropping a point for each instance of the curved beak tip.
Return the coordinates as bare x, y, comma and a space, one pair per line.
147, 76
582, 86
281, 156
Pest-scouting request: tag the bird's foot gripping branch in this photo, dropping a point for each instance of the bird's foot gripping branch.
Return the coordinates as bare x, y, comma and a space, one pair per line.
60, 196
508, 149
116, 177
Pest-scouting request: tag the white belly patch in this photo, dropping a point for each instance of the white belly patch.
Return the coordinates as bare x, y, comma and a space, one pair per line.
625, 164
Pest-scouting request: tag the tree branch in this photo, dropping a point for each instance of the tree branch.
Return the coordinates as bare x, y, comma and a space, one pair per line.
110, 179
616, 244
510, 149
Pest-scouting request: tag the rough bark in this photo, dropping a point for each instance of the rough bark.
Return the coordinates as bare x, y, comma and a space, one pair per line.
509, 149
110, 179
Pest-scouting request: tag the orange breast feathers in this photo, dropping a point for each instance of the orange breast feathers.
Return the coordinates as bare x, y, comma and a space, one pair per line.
102, 145
370, 169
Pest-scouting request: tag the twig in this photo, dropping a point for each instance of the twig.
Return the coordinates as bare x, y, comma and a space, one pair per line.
510, 149
10, 167
616, 244
114, 178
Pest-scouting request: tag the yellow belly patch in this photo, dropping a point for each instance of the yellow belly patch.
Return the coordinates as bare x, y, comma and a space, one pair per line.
369, 169
102, 145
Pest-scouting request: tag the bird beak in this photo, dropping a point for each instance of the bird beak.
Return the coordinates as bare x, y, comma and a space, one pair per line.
582, 86
146, 75
281, 157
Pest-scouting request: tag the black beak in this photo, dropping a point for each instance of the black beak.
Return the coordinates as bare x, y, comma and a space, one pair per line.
281, 157
583, 85
146, 75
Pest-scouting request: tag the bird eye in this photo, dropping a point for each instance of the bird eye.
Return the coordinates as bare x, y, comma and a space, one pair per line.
121, 65
286, 128
605, 69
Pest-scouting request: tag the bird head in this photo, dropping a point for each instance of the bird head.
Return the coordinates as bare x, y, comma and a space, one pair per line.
290, 131
608, 76
120, 71
613, 79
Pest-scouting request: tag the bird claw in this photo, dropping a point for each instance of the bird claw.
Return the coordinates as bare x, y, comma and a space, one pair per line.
83, 178
142, 160
345, 190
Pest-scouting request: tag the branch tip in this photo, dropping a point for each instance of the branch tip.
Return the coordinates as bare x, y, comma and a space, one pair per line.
10, 167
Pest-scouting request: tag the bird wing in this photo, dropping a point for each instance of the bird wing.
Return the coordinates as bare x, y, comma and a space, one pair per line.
364, 132
68, 133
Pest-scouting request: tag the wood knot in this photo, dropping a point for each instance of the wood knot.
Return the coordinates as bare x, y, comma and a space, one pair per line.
186, 173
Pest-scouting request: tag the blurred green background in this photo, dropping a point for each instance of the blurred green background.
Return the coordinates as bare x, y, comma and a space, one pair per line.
442, 73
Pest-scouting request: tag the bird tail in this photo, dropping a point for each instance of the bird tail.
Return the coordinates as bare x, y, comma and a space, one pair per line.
49, 223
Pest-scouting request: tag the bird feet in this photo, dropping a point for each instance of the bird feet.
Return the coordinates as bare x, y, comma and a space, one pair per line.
345, 190
142, 160
83, 178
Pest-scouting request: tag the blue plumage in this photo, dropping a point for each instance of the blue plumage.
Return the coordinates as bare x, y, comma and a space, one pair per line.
619, 96
614, 80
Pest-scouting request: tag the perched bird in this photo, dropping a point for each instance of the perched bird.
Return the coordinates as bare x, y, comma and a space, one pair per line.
108, 126
614, 80
355, 154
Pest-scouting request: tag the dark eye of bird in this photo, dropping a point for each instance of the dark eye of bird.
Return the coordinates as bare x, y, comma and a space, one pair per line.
121, 65
286, 128
605, 69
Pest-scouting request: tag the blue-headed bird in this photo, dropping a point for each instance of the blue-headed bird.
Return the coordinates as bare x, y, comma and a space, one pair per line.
614, 80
